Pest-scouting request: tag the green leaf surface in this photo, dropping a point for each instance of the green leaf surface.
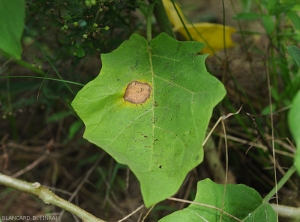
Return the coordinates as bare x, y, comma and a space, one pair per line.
294, 114
294, 51
12, 16
80, 52
241, 203
247, 16
294, 17
268, 24
270, 5
74, 128
159, 138
58, 116
294, 120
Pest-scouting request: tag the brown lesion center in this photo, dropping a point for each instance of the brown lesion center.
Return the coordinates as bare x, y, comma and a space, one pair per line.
137, 92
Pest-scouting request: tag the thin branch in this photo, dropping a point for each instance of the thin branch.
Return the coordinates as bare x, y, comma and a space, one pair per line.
87, 175
129, 215
275, 163
280, 184
30, 166
144, 218
47, 196
221, 118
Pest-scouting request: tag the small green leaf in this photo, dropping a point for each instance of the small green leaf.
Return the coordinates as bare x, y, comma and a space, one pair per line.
275, 94
268, 24
74, 128
294, 17
294, 120
294, 51
247, 16
270, 5
12, 16
58, 116
282, 8
80, 52
267, 109
241, 202
149, 108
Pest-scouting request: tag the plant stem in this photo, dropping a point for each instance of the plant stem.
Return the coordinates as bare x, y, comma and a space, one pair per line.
287, 212
149, 21
47, 196
46, 78
23, 63
213, 161
182, 21
284, 179
162, 19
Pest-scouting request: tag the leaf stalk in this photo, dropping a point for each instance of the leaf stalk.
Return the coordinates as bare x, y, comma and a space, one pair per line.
149, 21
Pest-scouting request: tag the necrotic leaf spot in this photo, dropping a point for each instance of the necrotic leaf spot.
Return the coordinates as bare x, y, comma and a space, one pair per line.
137, 92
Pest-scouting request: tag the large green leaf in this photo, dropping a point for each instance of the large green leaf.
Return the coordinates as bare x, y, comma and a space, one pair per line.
149, 108
240, 202
12, 15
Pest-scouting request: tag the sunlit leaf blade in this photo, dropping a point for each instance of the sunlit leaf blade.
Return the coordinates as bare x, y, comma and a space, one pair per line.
12, 16
294, 114
160, 139
294, 120
241, 203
